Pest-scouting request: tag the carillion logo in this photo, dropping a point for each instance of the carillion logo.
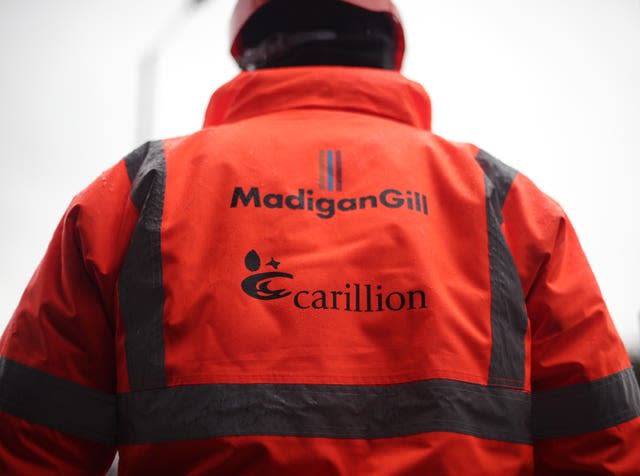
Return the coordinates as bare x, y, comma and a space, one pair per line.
330, 179
350, 297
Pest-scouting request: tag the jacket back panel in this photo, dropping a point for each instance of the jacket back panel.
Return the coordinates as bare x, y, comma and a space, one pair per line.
333, 252
383, 281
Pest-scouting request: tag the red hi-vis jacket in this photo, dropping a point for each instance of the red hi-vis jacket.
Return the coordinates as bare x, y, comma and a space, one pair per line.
315, 284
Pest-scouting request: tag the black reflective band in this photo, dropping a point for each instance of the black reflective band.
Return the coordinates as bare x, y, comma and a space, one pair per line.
55, 403
140, 287
509, 320
324, 411
500, 174
586, 407
134, 160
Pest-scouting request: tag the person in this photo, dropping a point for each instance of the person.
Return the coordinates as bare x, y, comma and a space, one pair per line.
315, 283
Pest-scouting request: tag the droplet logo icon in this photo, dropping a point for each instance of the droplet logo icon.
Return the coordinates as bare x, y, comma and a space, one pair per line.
252, 261
258, 285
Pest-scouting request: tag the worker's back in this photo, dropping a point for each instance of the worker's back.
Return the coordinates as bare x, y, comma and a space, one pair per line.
315, 283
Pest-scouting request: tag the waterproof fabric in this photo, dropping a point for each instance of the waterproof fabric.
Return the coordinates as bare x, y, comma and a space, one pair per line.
315, 283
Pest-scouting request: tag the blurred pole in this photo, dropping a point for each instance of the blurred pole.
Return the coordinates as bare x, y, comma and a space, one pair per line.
148, 69
147, 77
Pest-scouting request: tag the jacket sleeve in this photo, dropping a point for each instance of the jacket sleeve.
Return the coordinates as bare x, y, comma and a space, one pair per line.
57, 363
585, 398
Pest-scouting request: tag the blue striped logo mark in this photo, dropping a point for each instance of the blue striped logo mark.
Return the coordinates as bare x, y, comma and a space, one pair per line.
330, 170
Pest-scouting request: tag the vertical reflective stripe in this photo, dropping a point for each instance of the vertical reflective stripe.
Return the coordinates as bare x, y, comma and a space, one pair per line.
134, 160
500, 174
140, 288
509, 320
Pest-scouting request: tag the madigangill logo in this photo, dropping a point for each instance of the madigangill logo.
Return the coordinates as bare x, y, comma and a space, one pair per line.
352, 297
330, 179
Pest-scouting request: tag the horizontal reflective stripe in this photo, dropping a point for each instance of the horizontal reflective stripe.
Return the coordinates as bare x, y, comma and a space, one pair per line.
329, 411
55, 403
586, 407
324, 411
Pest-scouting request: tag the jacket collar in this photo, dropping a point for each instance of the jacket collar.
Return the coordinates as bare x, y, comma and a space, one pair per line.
372, 91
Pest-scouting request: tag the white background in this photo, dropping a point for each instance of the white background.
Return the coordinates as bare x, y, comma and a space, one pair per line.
548, 86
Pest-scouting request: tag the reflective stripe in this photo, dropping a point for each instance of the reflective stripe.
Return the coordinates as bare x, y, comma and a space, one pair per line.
324, 411
140, 288
586, 407
55, 403
509, 320
134, 160
500, 174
